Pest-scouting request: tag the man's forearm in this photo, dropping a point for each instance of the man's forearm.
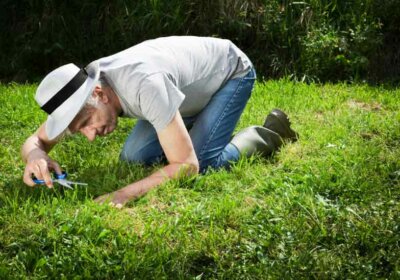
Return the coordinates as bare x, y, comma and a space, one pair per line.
37, 145
171, 171
32, 146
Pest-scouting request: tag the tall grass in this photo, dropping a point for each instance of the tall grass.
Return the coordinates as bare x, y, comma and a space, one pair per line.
313, 40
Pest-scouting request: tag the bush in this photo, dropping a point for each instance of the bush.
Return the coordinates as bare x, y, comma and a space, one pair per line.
318, 40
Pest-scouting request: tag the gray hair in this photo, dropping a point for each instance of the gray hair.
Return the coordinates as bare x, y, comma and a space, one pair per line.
93, 101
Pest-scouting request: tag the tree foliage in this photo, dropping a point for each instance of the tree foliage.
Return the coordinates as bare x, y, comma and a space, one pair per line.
311, 40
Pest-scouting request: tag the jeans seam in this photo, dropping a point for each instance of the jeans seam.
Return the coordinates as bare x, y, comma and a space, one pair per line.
239, 87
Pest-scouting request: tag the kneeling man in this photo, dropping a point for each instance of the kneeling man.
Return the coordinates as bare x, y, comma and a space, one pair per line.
187, 94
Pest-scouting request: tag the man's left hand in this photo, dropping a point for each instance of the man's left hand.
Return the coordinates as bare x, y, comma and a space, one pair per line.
116, 199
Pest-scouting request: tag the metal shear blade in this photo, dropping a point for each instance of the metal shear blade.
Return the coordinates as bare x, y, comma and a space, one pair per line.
67, 183
62, 183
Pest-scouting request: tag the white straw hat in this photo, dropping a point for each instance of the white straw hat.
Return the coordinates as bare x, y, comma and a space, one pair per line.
63, 93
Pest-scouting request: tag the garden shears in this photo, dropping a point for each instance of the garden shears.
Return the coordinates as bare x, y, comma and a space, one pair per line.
61, 179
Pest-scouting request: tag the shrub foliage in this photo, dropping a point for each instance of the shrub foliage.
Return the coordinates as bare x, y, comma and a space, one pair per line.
312, 40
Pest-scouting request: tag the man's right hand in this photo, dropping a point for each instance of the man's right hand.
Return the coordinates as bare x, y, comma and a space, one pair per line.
40, 167
38, 163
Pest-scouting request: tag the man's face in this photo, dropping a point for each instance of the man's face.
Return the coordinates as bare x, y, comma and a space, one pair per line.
93, 122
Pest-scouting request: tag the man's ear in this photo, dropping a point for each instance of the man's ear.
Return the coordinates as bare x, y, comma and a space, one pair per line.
100, 94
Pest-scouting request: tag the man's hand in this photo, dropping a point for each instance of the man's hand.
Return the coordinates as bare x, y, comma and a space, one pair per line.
116, 199
40, 167
34, 153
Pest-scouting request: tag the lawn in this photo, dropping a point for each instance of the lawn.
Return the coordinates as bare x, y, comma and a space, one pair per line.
324, 207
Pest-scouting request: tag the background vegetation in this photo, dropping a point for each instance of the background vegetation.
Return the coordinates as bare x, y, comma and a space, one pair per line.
310, 40
326, 207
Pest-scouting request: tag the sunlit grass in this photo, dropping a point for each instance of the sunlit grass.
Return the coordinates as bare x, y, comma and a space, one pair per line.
324, 207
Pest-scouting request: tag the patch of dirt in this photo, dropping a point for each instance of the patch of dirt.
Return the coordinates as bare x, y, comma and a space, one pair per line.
368, 135
374, 106
319, 115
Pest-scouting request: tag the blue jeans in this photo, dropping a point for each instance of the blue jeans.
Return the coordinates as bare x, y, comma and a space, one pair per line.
210, 130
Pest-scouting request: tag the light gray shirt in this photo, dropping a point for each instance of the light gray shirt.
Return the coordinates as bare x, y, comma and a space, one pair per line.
156, 78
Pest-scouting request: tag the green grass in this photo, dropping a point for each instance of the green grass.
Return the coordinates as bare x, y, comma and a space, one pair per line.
324, 207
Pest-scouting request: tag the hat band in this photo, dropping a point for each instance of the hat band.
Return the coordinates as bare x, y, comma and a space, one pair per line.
63, 94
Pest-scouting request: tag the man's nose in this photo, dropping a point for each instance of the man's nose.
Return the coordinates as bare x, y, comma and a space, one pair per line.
89, 133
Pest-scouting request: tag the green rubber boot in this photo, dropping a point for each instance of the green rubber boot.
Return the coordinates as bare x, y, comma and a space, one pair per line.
279, 122
257, 140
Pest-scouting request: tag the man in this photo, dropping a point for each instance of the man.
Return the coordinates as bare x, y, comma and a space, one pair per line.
187, 94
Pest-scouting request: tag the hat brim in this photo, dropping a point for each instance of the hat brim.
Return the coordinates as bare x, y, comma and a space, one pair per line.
61, 118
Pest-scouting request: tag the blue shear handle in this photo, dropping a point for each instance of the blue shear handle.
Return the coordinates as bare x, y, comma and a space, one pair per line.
56, 176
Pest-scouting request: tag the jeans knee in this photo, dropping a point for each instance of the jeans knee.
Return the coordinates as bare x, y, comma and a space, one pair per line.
129, 157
